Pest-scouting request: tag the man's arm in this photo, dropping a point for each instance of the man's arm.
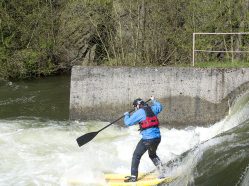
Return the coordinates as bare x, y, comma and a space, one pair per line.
135, 118
156, 107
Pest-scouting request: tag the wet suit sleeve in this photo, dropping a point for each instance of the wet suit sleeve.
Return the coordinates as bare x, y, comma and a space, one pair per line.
135, 118
156, 107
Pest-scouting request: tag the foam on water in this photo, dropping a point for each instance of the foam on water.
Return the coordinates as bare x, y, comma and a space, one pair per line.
36, 152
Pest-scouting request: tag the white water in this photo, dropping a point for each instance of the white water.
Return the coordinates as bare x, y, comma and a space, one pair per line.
35, 152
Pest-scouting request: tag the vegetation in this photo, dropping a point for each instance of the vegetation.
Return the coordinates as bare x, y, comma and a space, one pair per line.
40, 38
219, 64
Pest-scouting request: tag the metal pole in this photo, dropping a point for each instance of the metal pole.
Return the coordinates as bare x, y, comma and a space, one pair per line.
232, 47
193, 55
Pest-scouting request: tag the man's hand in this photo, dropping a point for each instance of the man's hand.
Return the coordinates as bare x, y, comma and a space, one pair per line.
126, 113
152, 98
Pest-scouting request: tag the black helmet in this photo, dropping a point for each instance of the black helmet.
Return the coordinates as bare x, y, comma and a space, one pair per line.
138, 101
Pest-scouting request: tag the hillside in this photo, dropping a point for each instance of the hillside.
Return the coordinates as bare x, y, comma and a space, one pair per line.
40, 38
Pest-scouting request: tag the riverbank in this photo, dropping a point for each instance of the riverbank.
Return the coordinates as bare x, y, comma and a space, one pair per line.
57, 35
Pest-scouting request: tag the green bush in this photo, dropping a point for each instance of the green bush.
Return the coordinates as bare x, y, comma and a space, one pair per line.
40, 38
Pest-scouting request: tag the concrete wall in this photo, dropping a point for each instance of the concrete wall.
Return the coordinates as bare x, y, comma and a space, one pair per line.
191, 96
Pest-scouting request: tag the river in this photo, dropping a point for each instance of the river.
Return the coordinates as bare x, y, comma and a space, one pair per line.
38, 142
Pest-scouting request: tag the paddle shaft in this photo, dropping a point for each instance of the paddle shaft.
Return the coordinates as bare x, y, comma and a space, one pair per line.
118, 119
111, 123
89, 136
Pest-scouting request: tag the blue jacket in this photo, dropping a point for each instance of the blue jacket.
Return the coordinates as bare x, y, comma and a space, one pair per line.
140, 115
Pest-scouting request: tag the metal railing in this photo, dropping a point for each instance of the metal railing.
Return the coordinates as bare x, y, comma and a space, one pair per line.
215, 51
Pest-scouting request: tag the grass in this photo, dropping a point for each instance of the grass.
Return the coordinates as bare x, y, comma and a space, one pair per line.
216, 64
222, 64
198, 64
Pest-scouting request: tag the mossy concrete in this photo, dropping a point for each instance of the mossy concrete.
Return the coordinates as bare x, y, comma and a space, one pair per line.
191, 96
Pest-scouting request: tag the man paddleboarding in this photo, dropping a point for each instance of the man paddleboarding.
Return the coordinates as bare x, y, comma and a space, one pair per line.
146, 117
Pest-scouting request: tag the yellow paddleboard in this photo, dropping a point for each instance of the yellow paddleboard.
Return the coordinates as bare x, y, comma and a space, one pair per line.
143, 180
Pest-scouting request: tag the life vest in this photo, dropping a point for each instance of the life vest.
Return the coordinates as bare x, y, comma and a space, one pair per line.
150, 121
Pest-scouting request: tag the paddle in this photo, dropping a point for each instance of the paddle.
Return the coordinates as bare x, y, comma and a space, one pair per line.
82, 140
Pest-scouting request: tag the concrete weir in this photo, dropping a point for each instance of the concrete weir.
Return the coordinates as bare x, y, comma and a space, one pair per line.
191, 96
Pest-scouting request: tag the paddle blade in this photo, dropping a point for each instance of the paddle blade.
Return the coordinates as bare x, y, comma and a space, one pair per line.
82, 140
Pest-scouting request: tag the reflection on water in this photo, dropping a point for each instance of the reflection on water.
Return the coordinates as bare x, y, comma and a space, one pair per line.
46, 97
